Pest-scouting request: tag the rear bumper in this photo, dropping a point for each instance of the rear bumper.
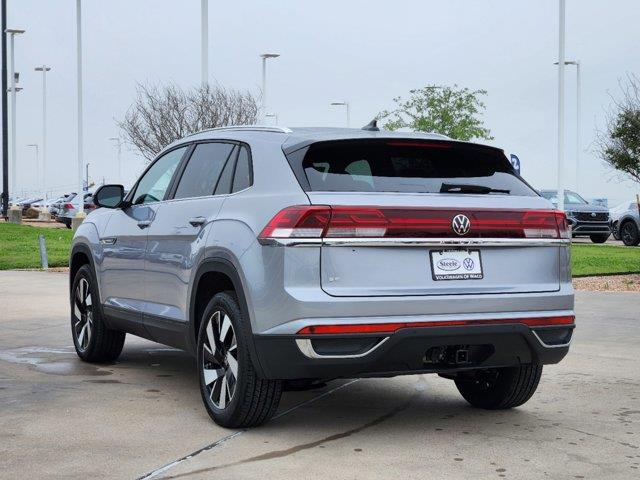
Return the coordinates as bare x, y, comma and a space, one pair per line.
410, 351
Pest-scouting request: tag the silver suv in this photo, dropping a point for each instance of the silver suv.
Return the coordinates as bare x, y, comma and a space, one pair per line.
310, 254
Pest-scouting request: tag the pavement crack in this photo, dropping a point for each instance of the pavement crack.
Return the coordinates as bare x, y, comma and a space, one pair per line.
305, 446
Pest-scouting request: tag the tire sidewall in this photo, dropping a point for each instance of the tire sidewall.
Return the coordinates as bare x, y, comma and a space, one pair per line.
228, 305
635, 233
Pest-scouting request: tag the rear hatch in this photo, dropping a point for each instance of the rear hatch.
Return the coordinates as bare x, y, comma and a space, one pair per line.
428, 218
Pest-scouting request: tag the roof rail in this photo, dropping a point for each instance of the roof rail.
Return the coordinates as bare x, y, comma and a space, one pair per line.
247, 128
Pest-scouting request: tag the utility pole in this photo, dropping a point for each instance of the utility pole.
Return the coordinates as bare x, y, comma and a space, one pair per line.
14, 91
44, 69
561, 65
80, 212
5, 117
204, 41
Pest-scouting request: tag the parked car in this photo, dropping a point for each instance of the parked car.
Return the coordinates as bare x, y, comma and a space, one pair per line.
56, 205
69, 209
274, 254
625, 223
586, 219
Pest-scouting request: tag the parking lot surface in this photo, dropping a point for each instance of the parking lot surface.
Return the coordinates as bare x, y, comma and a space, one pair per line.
142, 417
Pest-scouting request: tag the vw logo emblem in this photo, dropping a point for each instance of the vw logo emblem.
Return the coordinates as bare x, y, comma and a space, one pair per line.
593, 214
461, 224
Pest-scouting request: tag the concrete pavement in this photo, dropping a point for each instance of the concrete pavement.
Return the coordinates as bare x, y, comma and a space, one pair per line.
143, 416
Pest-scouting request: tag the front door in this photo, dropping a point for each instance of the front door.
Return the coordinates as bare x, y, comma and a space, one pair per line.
124, 243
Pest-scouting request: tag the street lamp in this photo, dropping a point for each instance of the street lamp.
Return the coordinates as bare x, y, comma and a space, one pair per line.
345, 104
44, 69
119, 150
14, 79
561, 65
204, 41
35, 145
274, 116
264, 57
578, 107
80, 212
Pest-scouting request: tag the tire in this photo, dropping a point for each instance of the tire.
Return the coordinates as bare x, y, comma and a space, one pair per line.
500, 388
233, 394
615, 231
599, 238
629, 233
94, 342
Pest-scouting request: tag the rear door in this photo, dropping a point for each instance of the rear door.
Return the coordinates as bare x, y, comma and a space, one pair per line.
178, 234
397, 235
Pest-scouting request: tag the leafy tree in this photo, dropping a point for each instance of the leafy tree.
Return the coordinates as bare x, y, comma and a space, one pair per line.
451, 111
619, 144
163, 114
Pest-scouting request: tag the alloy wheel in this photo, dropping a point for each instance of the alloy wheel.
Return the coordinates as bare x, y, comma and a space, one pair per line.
220, 359
627, 233
83, 314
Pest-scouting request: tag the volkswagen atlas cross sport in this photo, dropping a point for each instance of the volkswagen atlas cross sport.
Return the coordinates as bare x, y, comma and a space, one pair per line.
276, 254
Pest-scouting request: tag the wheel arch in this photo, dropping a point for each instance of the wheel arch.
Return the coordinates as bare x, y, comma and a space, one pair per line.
216, 275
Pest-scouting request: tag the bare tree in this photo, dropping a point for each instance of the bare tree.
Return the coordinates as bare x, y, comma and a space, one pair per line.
163, 114
619, 144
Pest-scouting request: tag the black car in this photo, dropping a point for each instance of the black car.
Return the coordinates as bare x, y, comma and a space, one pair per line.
586, 219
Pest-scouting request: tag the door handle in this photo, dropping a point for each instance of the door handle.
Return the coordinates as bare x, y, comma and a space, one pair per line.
144, 223
197, 221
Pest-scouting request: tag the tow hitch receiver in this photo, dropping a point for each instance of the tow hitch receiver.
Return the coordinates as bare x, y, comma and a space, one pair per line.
457, 355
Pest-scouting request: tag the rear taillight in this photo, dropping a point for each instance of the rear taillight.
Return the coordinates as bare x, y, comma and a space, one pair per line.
68, 206
391, 222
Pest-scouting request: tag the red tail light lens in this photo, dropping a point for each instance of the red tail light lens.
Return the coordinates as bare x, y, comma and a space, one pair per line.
68, 206
392, 222
298, 222
393, 327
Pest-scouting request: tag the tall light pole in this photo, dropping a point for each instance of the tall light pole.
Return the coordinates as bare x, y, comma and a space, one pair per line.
37, 149
345, 104
5, 117
14, 156
204, 41
578, 108
44, 69
561, 60
264, 57
80, 212
119, 150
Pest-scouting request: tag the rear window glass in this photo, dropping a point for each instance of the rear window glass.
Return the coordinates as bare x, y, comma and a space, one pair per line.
413, 167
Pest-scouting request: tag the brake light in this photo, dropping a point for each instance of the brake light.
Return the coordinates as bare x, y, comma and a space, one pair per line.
68, 206
394, 327
392, 222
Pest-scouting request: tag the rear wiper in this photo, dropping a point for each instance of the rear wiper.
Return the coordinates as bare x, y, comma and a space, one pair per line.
465, 188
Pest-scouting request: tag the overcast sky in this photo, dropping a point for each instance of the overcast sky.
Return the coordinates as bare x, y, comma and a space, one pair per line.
366, 52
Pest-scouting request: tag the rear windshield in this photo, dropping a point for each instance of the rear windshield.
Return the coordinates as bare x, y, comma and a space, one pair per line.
410, 166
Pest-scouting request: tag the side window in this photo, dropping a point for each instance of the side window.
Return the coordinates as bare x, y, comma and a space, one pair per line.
243, 176
154, 183
203, 169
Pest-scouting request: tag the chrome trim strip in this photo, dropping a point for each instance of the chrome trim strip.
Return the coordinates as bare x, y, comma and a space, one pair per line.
418, 242
306, 347
551, 346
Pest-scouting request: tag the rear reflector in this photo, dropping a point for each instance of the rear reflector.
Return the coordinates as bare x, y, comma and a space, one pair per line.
391, 222
393, 327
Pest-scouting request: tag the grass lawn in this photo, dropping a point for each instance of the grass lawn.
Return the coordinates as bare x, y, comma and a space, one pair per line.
19, 249
19, 246
604, 259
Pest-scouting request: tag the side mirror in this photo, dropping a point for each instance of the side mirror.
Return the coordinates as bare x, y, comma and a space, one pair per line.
109, 196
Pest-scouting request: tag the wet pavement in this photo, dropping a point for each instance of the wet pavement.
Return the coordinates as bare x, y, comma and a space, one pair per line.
142, 416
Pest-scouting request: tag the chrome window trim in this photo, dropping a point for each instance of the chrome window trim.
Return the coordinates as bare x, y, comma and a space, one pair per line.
417, 242
306, 347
